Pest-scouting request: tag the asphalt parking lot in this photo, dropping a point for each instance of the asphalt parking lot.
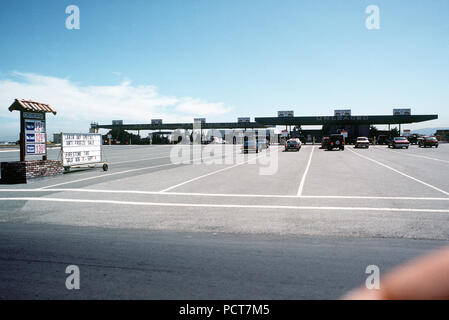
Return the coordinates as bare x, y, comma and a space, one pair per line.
219, 224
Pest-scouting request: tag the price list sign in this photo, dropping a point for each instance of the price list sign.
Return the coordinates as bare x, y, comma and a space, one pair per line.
35, 135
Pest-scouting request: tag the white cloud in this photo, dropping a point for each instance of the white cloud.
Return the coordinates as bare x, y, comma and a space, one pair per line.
197, 106
75, 102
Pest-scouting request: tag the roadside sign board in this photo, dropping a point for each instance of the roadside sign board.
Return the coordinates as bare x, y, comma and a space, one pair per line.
80, 148
35, 133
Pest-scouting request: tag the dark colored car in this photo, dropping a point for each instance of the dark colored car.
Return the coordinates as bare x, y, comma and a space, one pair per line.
324, 142
251, 146
428, 142
399, 142
336, 141
414, 139
382, 139
293, 144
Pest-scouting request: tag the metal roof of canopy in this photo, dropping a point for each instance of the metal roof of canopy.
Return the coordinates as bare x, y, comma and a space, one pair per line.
174, 126
322, 120
30, 106
265, 122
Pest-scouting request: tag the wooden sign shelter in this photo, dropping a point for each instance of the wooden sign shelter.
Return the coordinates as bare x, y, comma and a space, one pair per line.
33, 133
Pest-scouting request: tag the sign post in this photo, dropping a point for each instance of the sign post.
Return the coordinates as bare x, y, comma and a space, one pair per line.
33, 132
33, 142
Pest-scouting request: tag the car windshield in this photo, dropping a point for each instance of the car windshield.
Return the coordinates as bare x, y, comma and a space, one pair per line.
431, 138
362, 139
400, 139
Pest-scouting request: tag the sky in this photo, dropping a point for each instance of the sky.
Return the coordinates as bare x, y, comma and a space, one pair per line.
145, 59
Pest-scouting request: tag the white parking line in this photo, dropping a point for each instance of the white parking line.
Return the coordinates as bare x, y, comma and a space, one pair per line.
401, 173
413, 155
106, 175
115, 173
209, 174
137, 160
207, 205
17, 150
227, 195
303, 179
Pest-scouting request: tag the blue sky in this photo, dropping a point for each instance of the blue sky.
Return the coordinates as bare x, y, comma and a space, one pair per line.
137, 60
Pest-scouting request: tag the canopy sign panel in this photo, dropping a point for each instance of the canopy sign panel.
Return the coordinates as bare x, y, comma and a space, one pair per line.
81, 148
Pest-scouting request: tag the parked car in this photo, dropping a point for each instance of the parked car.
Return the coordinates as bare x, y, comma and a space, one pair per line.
324, 142
413, 139
399, 142
293, 144
361, 142
251, 146
382, 139
428, 142
336, 141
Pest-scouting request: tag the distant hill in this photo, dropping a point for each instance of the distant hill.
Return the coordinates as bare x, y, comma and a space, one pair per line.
428, 131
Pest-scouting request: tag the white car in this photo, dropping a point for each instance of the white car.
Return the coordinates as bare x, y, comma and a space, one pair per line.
362, 142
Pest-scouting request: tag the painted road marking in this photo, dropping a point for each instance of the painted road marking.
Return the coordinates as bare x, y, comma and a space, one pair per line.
17, 150
207, 205
144, 159
303, 179
227, 195
413, 155
116, 173
209, 174
106, 175
401, 173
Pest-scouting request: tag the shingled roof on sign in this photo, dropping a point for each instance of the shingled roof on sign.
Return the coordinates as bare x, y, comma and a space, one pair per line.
28, 105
